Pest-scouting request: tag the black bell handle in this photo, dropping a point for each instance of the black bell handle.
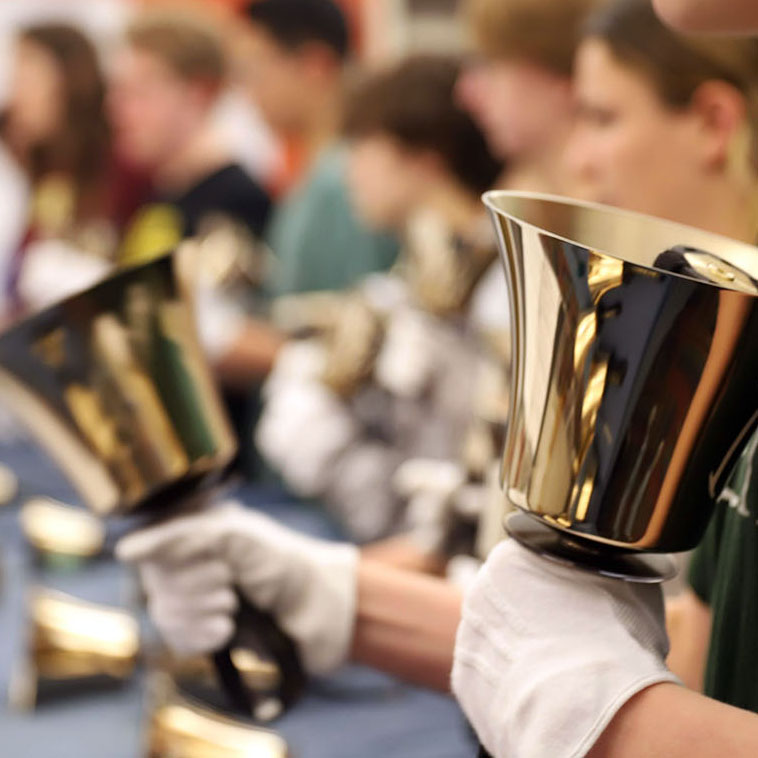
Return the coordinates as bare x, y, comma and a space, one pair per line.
258, 631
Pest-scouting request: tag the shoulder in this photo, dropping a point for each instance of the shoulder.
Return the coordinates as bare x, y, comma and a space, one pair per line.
328, 173
230, 180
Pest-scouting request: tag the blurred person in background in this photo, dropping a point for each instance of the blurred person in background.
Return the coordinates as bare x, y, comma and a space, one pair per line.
666, 125
518, 84
291, 59
703, 172
55, 129
393, 376
165, 83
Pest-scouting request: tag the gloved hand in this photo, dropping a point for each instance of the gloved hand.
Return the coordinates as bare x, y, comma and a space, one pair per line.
191, 565
407, 359
545, 655
304, 426
429, 486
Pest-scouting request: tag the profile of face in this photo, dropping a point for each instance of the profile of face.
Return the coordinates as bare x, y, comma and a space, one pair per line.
36, 98
630, 148
517, 104
151, 108
278, 80
387, 181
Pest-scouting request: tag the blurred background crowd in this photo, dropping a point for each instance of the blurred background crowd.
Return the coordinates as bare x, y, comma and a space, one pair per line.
324, 162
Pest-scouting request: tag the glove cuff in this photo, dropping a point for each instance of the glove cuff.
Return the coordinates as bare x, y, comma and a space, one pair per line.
323, 622
624, 694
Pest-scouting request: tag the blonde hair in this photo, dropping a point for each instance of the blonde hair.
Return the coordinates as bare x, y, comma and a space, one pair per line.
188, 43
545, 32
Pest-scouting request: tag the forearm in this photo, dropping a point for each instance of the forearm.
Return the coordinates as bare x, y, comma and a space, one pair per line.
406, 624
688, 623
401, 552
669, 721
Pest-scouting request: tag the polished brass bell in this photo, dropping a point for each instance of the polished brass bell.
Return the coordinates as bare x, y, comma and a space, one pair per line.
71, 641
55, 529
260, 675
635, 356
179, 728
113, 383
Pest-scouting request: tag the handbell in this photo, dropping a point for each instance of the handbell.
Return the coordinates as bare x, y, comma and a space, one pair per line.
114, 384
180, 728
71, 642
635, 357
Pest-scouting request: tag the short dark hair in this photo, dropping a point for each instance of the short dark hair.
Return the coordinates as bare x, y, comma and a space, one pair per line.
293, 23
414, 103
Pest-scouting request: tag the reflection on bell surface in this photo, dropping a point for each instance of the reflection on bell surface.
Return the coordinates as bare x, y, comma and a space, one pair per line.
635, 353
259, 674
55, 529
114, 384
195, 677
178, 728
72, 641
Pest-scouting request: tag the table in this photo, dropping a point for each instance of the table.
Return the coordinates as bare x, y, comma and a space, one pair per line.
358, 713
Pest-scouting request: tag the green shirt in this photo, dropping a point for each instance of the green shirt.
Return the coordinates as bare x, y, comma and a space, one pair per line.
318, 242
724, 574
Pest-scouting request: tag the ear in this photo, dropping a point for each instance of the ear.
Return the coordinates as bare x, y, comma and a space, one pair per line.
721, 111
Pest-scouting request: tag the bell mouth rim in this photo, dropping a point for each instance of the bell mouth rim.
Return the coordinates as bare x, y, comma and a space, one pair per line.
619, 233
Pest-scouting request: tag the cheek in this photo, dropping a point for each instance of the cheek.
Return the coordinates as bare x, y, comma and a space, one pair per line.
278, 94
380, 190
36, 102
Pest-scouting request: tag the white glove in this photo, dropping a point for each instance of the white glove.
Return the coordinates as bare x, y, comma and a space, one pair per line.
191, 565
304, 427
429, 486
546, 655
220, 321
406, 362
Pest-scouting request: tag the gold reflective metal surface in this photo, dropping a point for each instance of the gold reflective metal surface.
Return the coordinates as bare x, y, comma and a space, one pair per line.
179, 728
54, 528
114, 384
69, 639
258, 674
635, 361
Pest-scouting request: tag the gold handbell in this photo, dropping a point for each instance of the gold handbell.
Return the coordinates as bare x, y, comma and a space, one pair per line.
72, 641
196, 676
178, 728
55, 529
260, 675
